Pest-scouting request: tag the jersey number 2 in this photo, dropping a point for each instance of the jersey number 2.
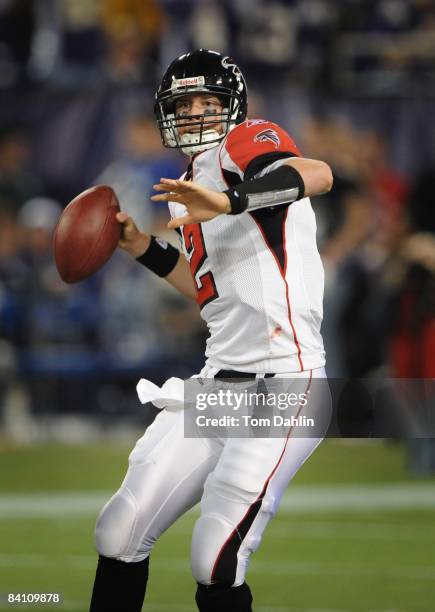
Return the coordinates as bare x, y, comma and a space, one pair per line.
205, 286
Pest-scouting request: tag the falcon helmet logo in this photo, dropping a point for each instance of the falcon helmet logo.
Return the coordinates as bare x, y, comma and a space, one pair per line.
268, 134
227, 63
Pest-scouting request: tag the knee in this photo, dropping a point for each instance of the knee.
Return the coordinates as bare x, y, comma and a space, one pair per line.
115, 525
209, 535
221, 548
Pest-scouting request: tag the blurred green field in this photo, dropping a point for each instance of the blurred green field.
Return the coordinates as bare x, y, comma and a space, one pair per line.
355, 533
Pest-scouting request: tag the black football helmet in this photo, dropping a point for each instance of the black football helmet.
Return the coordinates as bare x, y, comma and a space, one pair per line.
200, 71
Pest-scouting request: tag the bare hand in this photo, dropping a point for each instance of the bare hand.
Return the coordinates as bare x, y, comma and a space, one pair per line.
202, 204
132, 239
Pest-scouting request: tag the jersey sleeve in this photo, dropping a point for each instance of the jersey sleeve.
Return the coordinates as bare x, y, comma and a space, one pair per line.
256, 143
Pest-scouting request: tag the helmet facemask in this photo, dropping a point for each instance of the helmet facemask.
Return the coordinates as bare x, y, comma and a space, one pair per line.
204, 135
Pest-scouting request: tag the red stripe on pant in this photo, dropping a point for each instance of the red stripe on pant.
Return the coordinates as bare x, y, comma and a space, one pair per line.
225, 567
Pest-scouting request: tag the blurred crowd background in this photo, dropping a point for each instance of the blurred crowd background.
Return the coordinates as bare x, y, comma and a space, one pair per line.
353, 81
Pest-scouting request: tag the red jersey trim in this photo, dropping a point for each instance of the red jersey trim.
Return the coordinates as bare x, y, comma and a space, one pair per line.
254, 138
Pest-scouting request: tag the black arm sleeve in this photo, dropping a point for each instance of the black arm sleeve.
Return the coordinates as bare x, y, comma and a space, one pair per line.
281, 186
262, 161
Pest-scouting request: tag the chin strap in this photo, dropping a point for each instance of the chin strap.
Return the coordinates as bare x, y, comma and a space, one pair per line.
190, 141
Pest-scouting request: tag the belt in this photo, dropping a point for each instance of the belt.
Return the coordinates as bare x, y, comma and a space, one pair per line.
235, 374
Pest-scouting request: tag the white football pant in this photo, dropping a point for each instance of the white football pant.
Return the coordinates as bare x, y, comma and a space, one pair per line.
239, 481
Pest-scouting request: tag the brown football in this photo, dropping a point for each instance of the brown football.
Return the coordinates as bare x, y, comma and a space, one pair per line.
87, 233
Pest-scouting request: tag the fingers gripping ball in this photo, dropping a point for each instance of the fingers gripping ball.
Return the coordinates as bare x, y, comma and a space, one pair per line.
87, 233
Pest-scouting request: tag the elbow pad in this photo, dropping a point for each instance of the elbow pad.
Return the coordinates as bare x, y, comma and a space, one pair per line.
281, 186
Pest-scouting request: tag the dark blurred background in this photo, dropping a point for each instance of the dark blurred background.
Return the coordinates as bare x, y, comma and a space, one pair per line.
353, 81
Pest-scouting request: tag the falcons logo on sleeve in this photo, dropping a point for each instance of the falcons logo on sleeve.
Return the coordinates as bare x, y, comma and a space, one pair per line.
268, 134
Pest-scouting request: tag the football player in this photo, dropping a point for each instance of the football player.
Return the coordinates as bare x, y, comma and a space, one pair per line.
249, 258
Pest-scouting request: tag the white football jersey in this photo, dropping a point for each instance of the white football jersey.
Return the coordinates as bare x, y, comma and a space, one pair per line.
258, 275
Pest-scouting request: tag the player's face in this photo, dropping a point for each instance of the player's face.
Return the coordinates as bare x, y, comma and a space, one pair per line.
201, 109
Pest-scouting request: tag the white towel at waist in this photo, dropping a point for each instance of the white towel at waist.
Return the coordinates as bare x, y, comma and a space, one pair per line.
169, 395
